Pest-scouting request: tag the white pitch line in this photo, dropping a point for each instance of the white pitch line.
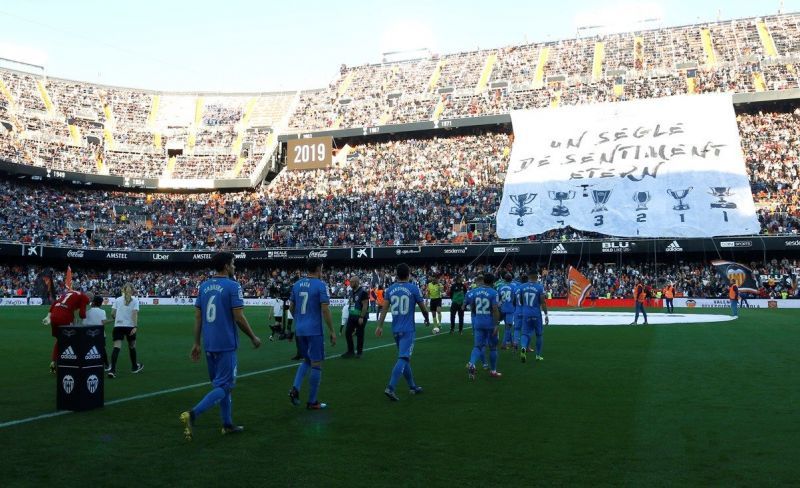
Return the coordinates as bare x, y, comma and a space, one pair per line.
12, 423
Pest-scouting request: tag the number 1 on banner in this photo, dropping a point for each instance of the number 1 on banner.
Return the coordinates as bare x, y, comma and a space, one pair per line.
725, 215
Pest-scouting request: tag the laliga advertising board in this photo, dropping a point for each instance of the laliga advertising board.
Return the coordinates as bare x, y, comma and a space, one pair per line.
668, 167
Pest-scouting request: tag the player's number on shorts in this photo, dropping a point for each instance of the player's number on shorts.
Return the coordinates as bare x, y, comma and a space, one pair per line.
303, 301
482, 306
211, 310
399, 304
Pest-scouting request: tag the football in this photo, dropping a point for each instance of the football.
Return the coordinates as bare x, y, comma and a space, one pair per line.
435, 330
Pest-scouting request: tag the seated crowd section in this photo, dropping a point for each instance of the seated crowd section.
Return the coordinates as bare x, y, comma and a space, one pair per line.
691, 279
81, 127
399, 191
745, 55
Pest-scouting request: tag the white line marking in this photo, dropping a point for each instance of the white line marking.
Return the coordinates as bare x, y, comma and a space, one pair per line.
12, 423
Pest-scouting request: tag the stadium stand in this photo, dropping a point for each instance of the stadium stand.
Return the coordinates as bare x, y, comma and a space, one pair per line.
354, 202
744, 55
81, 127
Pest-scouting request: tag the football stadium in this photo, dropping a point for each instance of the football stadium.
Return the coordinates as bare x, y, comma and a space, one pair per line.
569, 260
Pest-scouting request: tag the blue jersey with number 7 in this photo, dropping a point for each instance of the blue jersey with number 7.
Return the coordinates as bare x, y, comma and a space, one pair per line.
403, 298
308, 295
217, 298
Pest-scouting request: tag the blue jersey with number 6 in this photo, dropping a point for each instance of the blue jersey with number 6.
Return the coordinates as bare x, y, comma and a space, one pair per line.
308, 295
216, 300
403, 298
483, 300
530, 296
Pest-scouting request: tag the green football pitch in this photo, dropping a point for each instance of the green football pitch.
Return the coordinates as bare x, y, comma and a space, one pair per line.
699, 404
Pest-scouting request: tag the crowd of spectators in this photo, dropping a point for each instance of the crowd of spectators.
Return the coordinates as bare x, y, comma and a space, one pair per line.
85, 122
648, 64
401, 191
691, 280
70, 126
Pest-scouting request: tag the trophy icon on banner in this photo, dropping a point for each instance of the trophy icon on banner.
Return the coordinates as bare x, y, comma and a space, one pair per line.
600, 198
721, 192
560, 210
641, 198
679, 195
520, 208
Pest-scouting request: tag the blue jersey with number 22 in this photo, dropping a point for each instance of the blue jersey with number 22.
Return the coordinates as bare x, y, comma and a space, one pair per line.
483, 299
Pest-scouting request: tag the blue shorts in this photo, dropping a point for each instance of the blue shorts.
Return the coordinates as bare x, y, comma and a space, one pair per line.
509, 318
532, 324
222, 369
481, 337
405, 343
312, 348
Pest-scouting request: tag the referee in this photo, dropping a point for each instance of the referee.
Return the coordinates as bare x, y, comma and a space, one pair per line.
358, 308
435, 294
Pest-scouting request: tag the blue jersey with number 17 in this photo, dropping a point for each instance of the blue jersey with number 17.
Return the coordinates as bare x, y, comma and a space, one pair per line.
403, 298
483, 299
308, 295
530, 296
216, 300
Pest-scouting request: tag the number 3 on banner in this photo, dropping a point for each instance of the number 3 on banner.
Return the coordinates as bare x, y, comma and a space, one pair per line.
598, 220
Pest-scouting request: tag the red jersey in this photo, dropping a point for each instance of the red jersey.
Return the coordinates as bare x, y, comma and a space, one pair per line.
63, 310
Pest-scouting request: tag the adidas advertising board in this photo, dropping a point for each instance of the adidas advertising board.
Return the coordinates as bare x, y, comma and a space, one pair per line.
559, 249
69, 354
93, 354
529, 248
80, 363
673, 247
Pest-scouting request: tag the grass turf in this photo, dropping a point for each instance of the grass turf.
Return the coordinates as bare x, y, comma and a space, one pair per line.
662, 405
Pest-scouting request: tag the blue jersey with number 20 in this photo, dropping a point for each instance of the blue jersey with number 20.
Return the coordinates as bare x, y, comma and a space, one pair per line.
216, 300
403, 298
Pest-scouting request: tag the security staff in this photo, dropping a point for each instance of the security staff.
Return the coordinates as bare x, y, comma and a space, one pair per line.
733, 295
669, 294
358, 308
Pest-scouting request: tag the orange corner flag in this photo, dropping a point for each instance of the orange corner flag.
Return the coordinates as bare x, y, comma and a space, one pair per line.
68, 278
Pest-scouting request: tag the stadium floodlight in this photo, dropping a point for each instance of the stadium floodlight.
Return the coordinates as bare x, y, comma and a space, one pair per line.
407, 39
406, 55
626, 17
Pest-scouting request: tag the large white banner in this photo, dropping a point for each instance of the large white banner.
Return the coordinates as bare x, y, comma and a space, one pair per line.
668, 167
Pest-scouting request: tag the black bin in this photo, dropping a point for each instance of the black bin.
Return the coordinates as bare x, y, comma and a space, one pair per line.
79, 384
